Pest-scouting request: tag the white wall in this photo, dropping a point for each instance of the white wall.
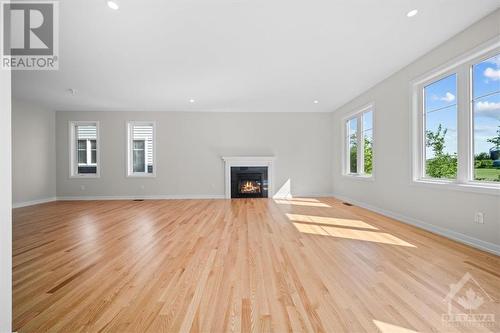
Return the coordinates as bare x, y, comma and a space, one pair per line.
33, 154
392, 191
5, 204
190, 146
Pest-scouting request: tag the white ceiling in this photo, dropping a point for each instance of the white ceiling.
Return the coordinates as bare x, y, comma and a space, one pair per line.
237, 55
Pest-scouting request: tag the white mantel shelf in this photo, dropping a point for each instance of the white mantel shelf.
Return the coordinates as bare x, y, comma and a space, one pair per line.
248, 161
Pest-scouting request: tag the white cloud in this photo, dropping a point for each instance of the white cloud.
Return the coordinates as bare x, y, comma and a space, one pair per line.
493, 74
488, 109
487, 106
449, 97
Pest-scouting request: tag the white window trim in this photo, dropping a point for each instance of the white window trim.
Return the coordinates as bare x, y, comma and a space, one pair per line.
73, 162
128, 166
462, 67
358, 113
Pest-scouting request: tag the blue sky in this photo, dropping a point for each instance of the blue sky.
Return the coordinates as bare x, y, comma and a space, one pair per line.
441, 107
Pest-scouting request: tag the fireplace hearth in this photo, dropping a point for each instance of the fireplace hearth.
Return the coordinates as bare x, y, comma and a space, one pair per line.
249, 182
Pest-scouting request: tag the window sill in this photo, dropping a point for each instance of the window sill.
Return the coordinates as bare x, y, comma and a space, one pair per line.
141, 175
84, 176
359, 177
491, 189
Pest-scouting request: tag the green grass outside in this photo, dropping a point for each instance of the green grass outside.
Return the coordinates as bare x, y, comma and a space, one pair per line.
488, 174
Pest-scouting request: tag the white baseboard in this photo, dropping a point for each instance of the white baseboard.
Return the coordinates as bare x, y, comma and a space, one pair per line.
142, 197
456, 236
33, 202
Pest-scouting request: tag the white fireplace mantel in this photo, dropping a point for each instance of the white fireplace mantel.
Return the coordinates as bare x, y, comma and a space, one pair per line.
248, 161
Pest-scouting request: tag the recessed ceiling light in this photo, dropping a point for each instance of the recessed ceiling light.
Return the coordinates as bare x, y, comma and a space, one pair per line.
412, 13
191, 101
315, 102
113, 4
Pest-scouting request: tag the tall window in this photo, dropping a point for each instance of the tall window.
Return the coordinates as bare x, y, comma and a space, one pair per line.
456, 123
359, 143
440, 119
141, 145
486, 119
84, 149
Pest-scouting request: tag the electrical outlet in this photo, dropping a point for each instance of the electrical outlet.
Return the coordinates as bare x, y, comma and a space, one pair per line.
82, 187
479, 218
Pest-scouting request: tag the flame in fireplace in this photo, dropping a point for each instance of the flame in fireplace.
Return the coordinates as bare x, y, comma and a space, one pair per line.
250, 187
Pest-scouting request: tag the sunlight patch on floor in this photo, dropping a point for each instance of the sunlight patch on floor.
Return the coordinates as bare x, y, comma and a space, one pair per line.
301, 203
355, 234
330, 221
390, 328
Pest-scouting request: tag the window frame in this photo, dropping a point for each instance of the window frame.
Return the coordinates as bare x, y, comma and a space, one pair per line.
129, 172
360, 161
462, 67
73, 151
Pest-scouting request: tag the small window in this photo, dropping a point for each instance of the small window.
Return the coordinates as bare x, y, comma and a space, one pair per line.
486, 119
440, 119
359, 143
141, 149
84, 149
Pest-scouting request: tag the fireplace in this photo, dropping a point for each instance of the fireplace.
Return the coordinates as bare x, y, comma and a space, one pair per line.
248, 176
249, 182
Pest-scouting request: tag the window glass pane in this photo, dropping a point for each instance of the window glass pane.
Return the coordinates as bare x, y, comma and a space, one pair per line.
353, 145
142, 146
82, 144
82, 151
368, 120
139, 160
86, 141
440, 115
368, 142
82, 156
139, 144
486, 77
486, 108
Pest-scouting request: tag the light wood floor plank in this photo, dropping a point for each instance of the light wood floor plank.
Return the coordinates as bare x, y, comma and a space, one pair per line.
249, 265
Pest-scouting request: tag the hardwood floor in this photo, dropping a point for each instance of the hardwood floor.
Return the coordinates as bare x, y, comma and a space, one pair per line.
239, 265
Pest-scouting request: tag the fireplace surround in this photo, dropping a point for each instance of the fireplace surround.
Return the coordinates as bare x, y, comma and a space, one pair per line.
248, 176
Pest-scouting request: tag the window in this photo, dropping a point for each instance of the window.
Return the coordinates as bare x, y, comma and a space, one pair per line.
84, 157
456, 123
141, 149
358, 155
486, 119
440, 119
